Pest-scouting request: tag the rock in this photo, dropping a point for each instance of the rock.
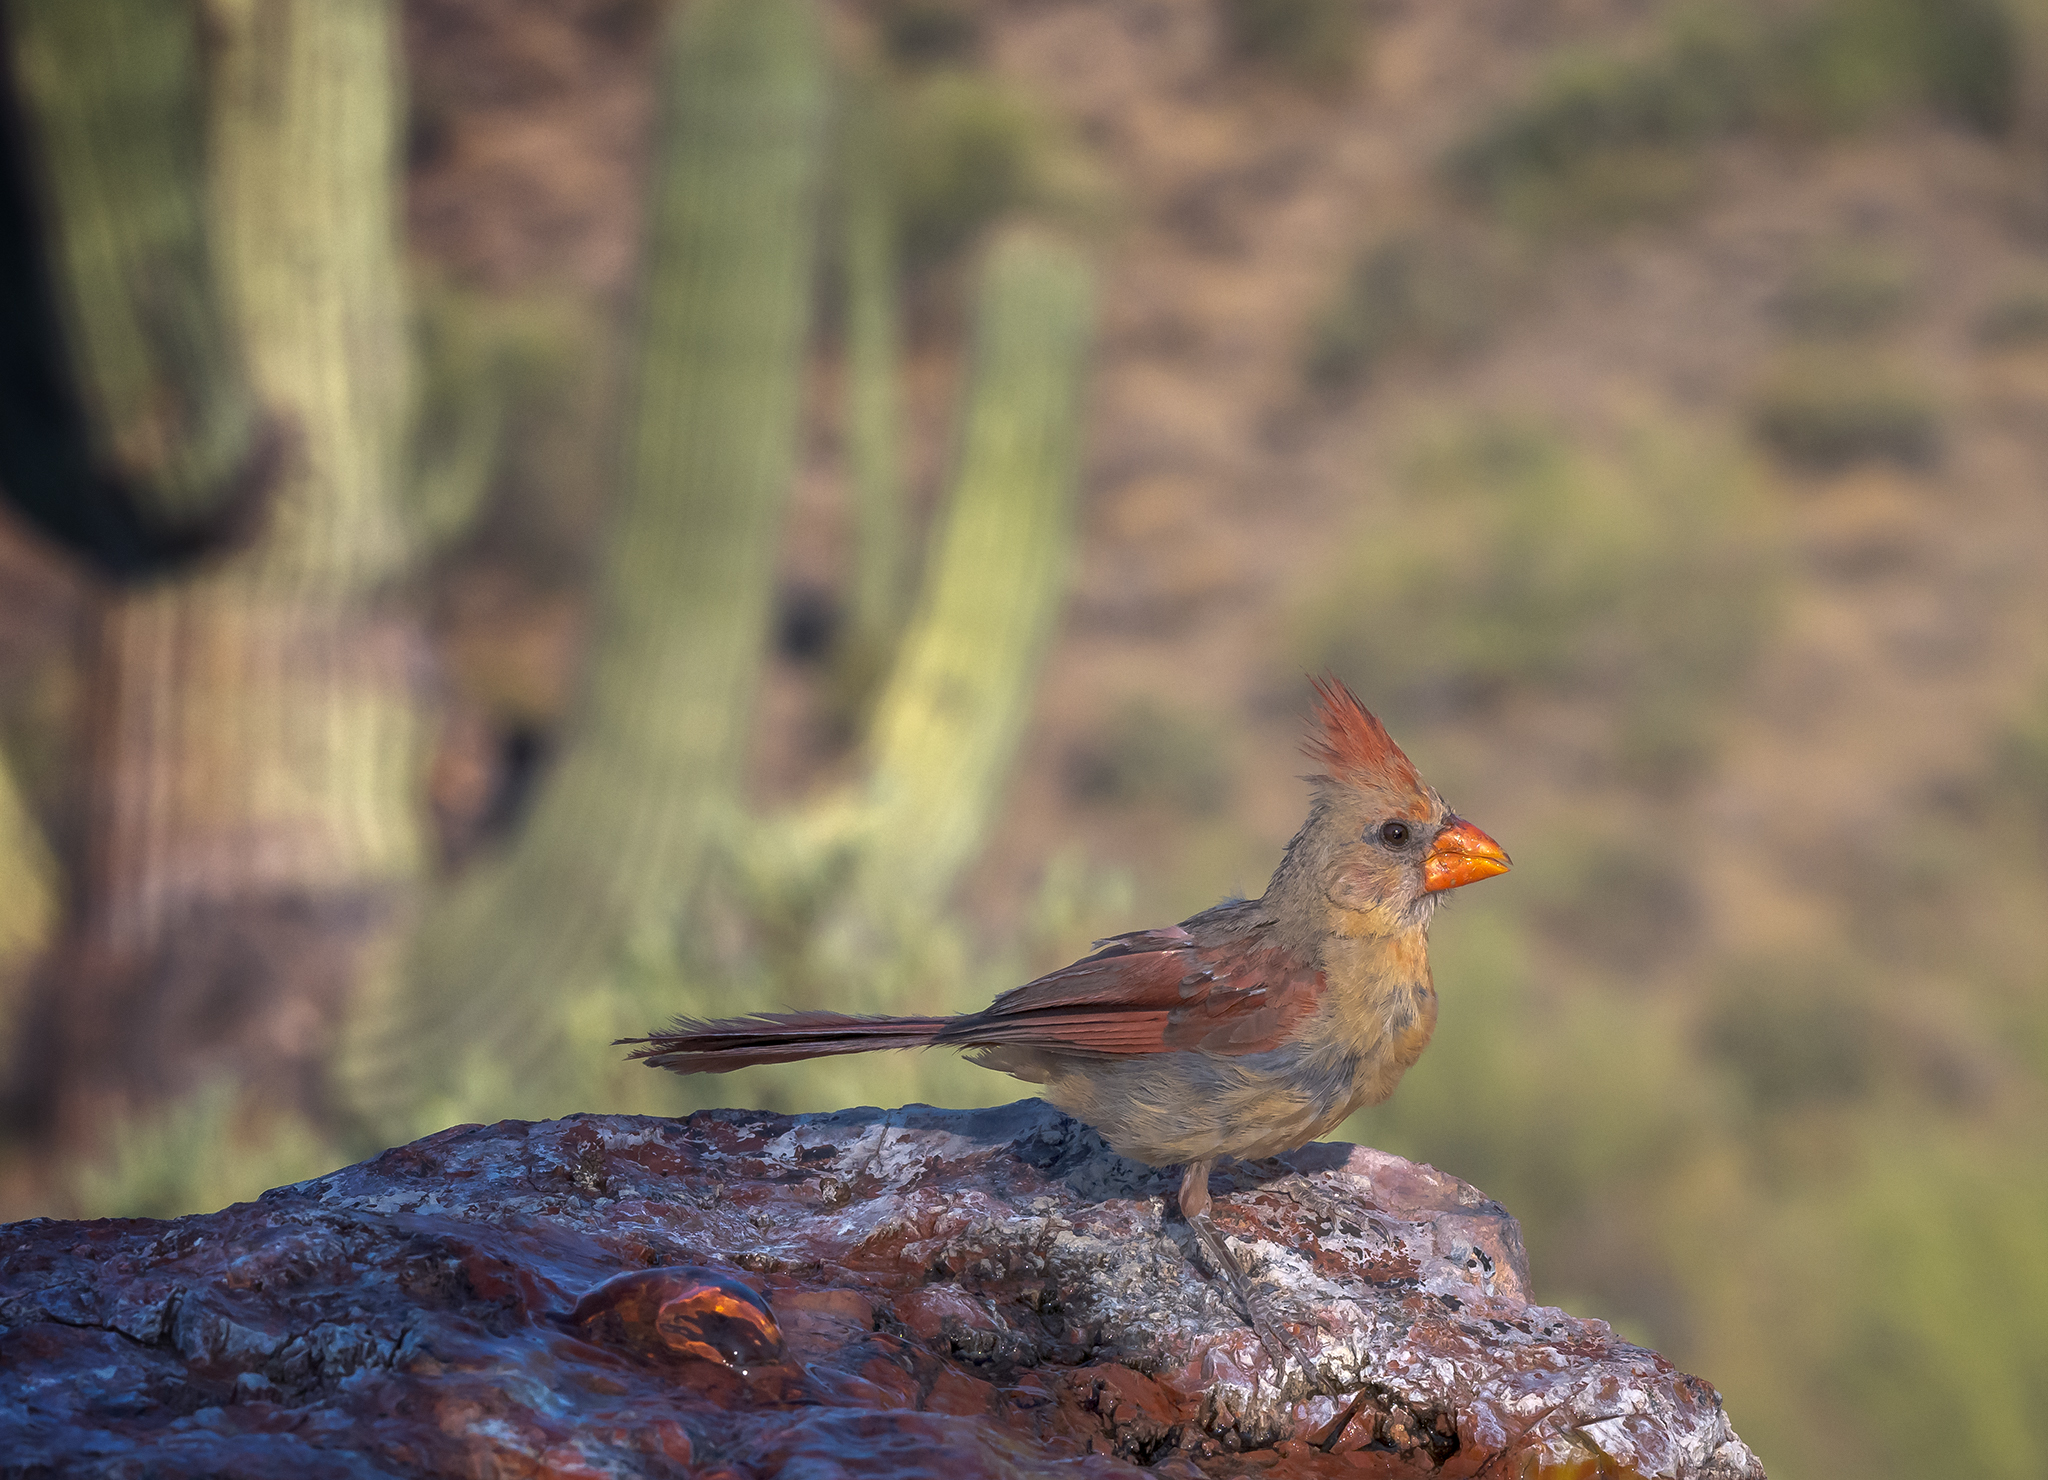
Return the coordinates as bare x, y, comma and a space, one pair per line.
907, 1293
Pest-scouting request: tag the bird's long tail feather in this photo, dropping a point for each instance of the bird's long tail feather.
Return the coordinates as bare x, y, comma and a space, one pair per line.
694, 1047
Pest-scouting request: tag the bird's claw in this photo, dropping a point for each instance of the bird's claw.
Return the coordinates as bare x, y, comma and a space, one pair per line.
1278, 1341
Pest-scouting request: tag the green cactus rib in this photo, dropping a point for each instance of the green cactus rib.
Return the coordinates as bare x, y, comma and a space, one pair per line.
874, 413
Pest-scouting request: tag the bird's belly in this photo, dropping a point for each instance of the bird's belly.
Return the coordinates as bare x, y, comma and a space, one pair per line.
1166, 1109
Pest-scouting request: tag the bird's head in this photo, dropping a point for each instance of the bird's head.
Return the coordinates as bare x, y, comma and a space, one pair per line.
1380, 847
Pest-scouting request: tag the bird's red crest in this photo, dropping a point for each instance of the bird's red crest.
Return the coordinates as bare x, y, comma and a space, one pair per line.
1353, 745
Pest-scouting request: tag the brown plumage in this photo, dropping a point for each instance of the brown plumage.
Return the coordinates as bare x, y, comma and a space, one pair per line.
1246, 1030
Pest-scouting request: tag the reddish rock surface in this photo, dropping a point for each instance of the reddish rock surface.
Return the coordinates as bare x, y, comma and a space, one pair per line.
878, 1294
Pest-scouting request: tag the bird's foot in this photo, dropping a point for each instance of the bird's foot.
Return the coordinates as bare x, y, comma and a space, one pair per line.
1278, 1341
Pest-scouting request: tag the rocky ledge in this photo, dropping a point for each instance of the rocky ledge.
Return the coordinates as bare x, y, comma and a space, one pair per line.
871, 1293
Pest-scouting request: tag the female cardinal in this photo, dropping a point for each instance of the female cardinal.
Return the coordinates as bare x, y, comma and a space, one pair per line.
1246, 1030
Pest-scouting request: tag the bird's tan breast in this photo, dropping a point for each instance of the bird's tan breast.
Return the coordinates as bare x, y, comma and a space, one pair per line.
1380, 1008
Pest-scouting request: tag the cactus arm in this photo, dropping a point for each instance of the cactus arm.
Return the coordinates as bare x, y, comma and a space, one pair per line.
947, 724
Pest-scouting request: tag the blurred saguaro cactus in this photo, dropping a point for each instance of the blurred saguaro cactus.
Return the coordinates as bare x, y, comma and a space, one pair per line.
251, 852
619, 833
156, 435
948, 721
846, 896
536, 946
250, 833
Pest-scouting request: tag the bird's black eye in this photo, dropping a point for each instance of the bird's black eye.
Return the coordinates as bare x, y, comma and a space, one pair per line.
1394, 834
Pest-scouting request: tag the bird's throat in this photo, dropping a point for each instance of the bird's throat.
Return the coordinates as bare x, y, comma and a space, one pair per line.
1380, 921
1356, 961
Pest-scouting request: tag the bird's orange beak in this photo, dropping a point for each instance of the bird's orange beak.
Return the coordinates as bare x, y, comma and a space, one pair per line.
1462, 855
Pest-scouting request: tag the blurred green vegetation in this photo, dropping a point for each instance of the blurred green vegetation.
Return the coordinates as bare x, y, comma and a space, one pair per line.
1613, 895
2021, 768
1848, 292
927, 32
1145, 754
967, 149
28, 875
2016, 318
1744, 1178
1797, 1172
1513, 561
237, 336
1314, 42
933, 154
1433, 292
202, 1152
1613, 135
1840, 394
1822, 409
1791, 1034
509, 412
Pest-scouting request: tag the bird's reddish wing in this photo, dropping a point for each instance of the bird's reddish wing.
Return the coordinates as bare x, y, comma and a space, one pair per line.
1152, 992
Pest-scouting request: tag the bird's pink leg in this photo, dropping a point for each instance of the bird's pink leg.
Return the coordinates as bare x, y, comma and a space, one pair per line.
1194, 1206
